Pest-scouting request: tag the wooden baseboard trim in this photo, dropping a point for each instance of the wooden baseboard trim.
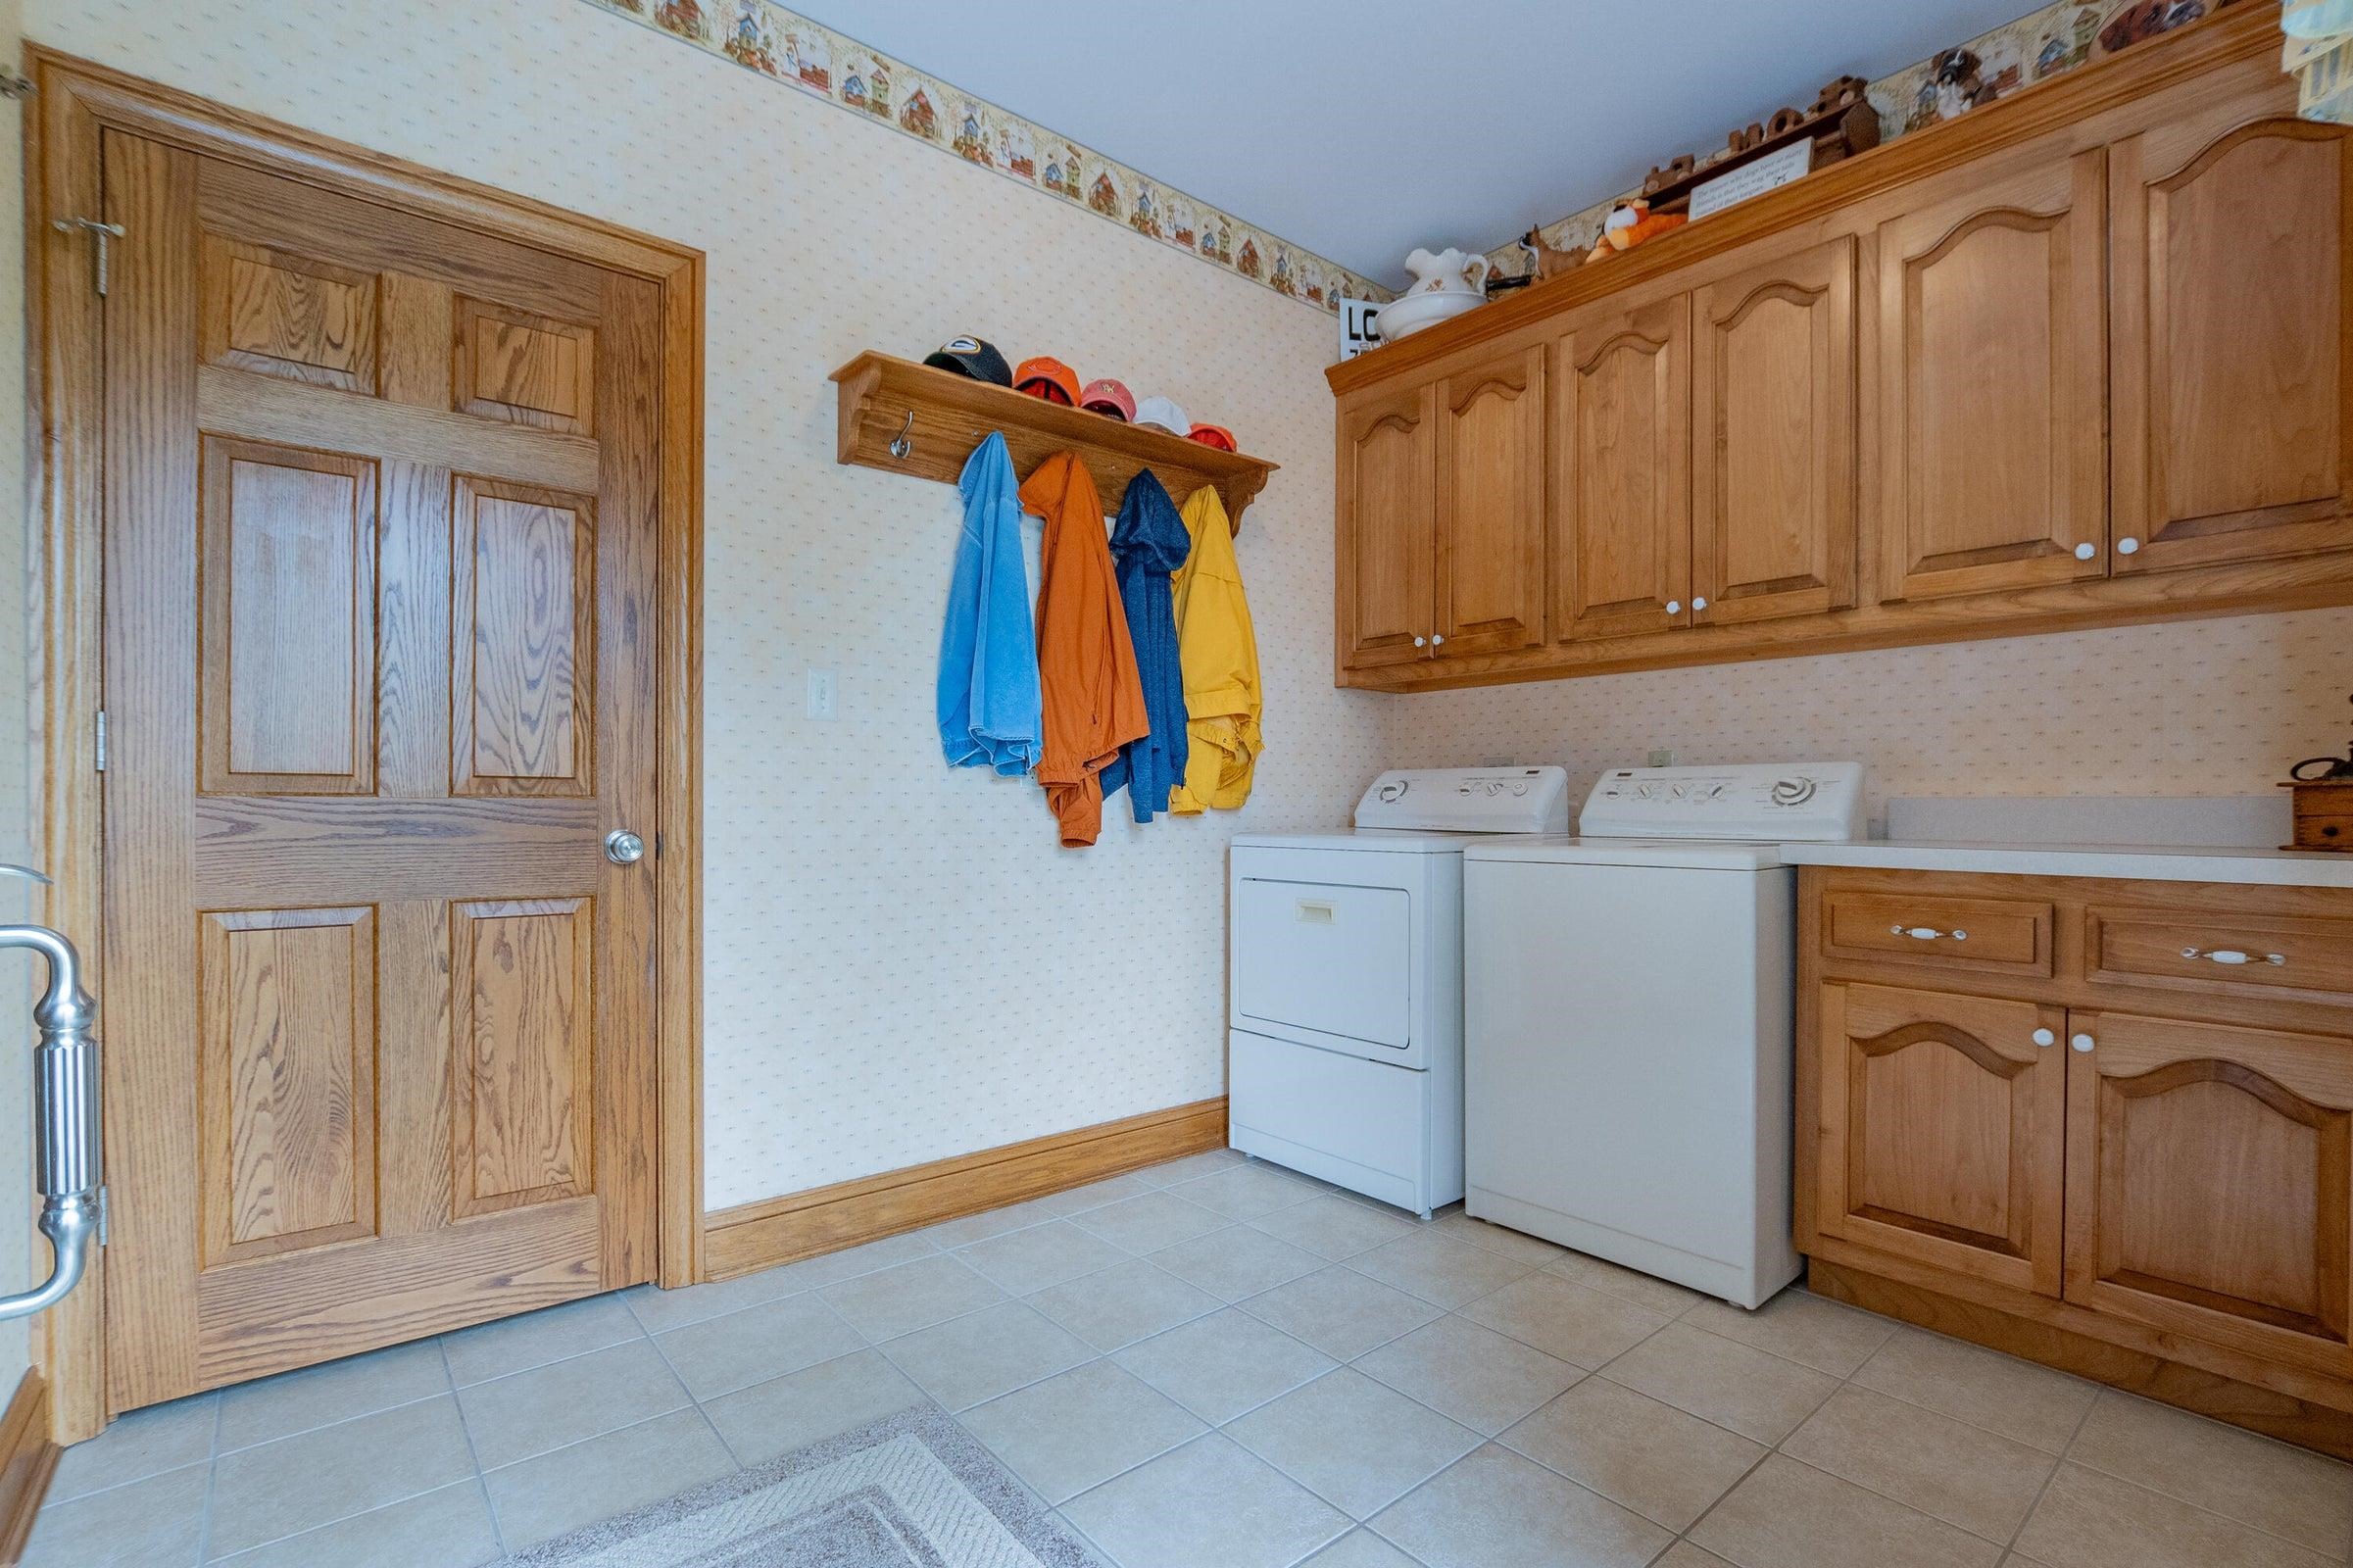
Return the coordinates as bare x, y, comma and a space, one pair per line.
2211, 1393
27, 1459
826, 1219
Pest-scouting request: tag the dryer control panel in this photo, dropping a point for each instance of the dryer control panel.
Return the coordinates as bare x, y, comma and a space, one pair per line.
1468, 800
1773, 803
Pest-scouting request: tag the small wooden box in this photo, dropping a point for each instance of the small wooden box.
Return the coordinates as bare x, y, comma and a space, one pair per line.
2324, 812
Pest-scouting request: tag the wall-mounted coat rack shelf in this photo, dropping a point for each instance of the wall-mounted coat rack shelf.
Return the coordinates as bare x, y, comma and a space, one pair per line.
905, 417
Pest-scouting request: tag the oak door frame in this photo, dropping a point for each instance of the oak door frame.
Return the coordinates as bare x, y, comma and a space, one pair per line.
76, 102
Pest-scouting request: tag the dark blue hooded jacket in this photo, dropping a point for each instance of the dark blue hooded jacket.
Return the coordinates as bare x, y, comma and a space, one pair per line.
1149, 542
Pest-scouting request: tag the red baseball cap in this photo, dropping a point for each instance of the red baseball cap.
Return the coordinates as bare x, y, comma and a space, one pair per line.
1036, 374
1213, 435
1106, 396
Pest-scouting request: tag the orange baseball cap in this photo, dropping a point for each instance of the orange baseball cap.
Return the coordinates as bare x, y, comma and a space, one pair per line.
1106, 396
1048, 379
1213, 435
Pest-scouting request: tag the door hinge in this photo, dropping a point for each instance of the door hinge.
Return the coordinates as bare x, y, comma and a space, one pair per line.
102, 235
99, 745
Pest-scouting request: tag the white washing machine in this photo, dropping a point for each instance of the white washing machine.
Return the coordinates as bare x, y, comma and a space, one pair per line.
1629, 1016
1345, 1047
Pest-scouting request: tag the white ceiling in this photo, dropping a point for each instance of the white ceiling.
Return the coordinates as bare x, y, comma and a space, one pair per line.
1361, 130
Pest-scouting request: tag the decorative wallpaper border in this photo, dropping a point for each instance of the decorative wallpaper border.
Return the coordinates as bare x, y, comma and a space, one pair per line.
789, 48
2057, 39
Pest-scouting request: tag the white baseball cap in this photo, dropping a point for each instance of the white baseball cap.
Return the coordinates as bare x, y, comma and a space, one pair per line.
1163, 414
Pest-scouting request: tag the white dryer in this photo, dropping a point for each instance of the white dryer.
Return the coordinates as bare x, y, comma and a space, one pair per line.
1345, 988
1630, 1017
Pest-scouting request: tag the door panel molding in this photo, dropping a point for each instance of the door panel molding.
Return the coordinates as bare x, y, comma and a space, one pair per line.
560, 257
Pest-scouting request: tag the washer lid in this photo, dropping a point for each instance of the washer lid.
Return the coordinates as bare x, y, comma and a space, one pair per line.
1690, 855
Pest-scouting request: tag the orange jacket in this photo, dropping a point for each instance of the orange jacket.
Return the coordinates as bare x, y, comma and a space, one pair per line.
1094, 698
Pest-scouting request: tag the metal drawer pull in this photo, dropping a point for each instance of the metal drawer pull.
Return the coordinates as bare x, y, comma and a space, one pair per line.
2231, 956
1925, 933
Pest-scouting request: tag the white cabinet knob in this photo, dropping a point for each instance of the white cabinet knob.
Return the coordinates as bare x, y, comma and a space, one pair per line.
2043, 1037
1674, 606
2086, 552
2078, 1042
1437, 638
1699, 603
1421, 642
2128, 546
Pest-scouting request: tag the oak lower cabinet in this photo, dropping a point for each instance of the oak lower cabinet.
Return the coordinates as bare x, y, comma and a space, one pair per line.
2134, 1162
1942, 1130
2208, 1182
1440, 516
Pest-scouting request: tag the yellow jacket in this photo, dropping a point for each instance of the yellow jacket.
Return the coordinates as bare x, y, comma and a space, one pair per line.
1219, 654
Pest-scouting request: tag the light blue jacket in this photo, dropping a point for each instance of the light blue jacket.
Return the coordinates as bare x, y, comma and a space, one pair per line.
988, 703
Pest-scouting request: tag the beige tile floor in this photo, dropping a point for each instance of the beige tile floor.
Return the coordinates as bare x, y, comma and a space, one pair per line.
1215, 1364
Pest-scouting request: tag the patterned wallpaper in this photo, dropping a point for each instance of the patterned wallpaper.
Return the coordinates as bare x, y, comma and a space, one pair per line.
787, 47
2194, 707
900, 965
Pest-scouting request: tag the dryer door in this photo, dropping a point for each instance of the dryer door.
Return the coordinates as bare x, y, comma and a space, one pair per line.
1315, 958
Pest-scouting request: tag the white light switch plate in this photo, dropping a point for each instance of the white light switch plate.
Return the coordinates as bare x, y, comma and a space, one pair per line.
821, 705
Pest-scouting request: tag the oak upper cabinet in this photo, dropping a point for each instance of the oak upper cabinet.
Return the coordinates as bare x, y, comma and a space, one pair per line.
1621, 538
1387, 471
1773, 459
2232, 388
1986, 400
1942, 1120
2208, 1183
1489, 538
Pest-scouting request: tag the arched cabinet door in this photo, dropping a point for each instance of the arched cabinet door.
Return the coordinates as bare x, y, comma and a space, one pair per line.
1385, 462
2233, 389
1985, 397
2208, 1182
1621, 499
1491, 505
1942, 1120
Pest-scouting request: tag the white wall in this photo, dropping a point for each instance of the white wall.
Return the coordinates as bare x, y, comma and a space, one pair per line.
900, 963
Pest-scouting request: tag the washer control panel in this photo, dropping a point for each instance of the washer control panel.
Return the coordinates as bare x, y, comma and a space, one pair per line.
1749, 802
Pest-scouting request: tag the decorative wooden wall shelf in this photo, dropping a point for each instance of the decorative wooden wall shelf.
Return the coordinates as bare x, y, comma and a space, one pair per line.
955, 414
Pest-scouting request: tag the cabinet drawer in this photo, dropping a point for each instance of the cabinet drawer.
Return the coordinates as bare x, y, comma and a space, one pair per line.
1987, 936
2217, 950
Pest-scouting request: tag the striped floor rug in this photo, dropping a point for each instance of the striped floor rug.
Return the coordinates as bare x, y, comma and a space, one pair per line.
909, 1490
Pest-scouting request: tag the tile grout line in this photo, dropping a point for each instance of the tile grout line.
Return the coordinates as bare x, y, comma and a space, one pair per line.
211, 1478
498, 1535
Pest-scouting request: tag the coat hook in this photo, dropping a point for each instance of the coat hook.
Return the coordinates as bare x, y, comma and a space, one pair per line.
901, 446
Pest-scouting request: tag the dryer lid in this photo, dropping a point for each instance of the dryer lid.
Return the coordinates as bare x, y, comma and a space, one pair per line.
1467, 800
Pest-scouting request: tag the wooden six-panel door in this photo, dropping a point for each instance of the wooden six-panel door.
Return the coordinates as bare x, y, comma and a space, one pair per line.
1620, 519
1773, 441
1942, 1127
1987, 406
1491, 505
381, 506
2232, 391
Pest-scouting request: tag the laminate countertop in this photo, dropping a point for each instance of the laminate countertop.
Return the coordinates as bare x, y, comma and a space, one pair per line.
2297, 868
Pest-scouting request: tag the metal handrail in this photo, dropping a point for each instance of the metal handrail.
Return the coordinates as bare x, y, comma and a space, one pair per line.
69, 1155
